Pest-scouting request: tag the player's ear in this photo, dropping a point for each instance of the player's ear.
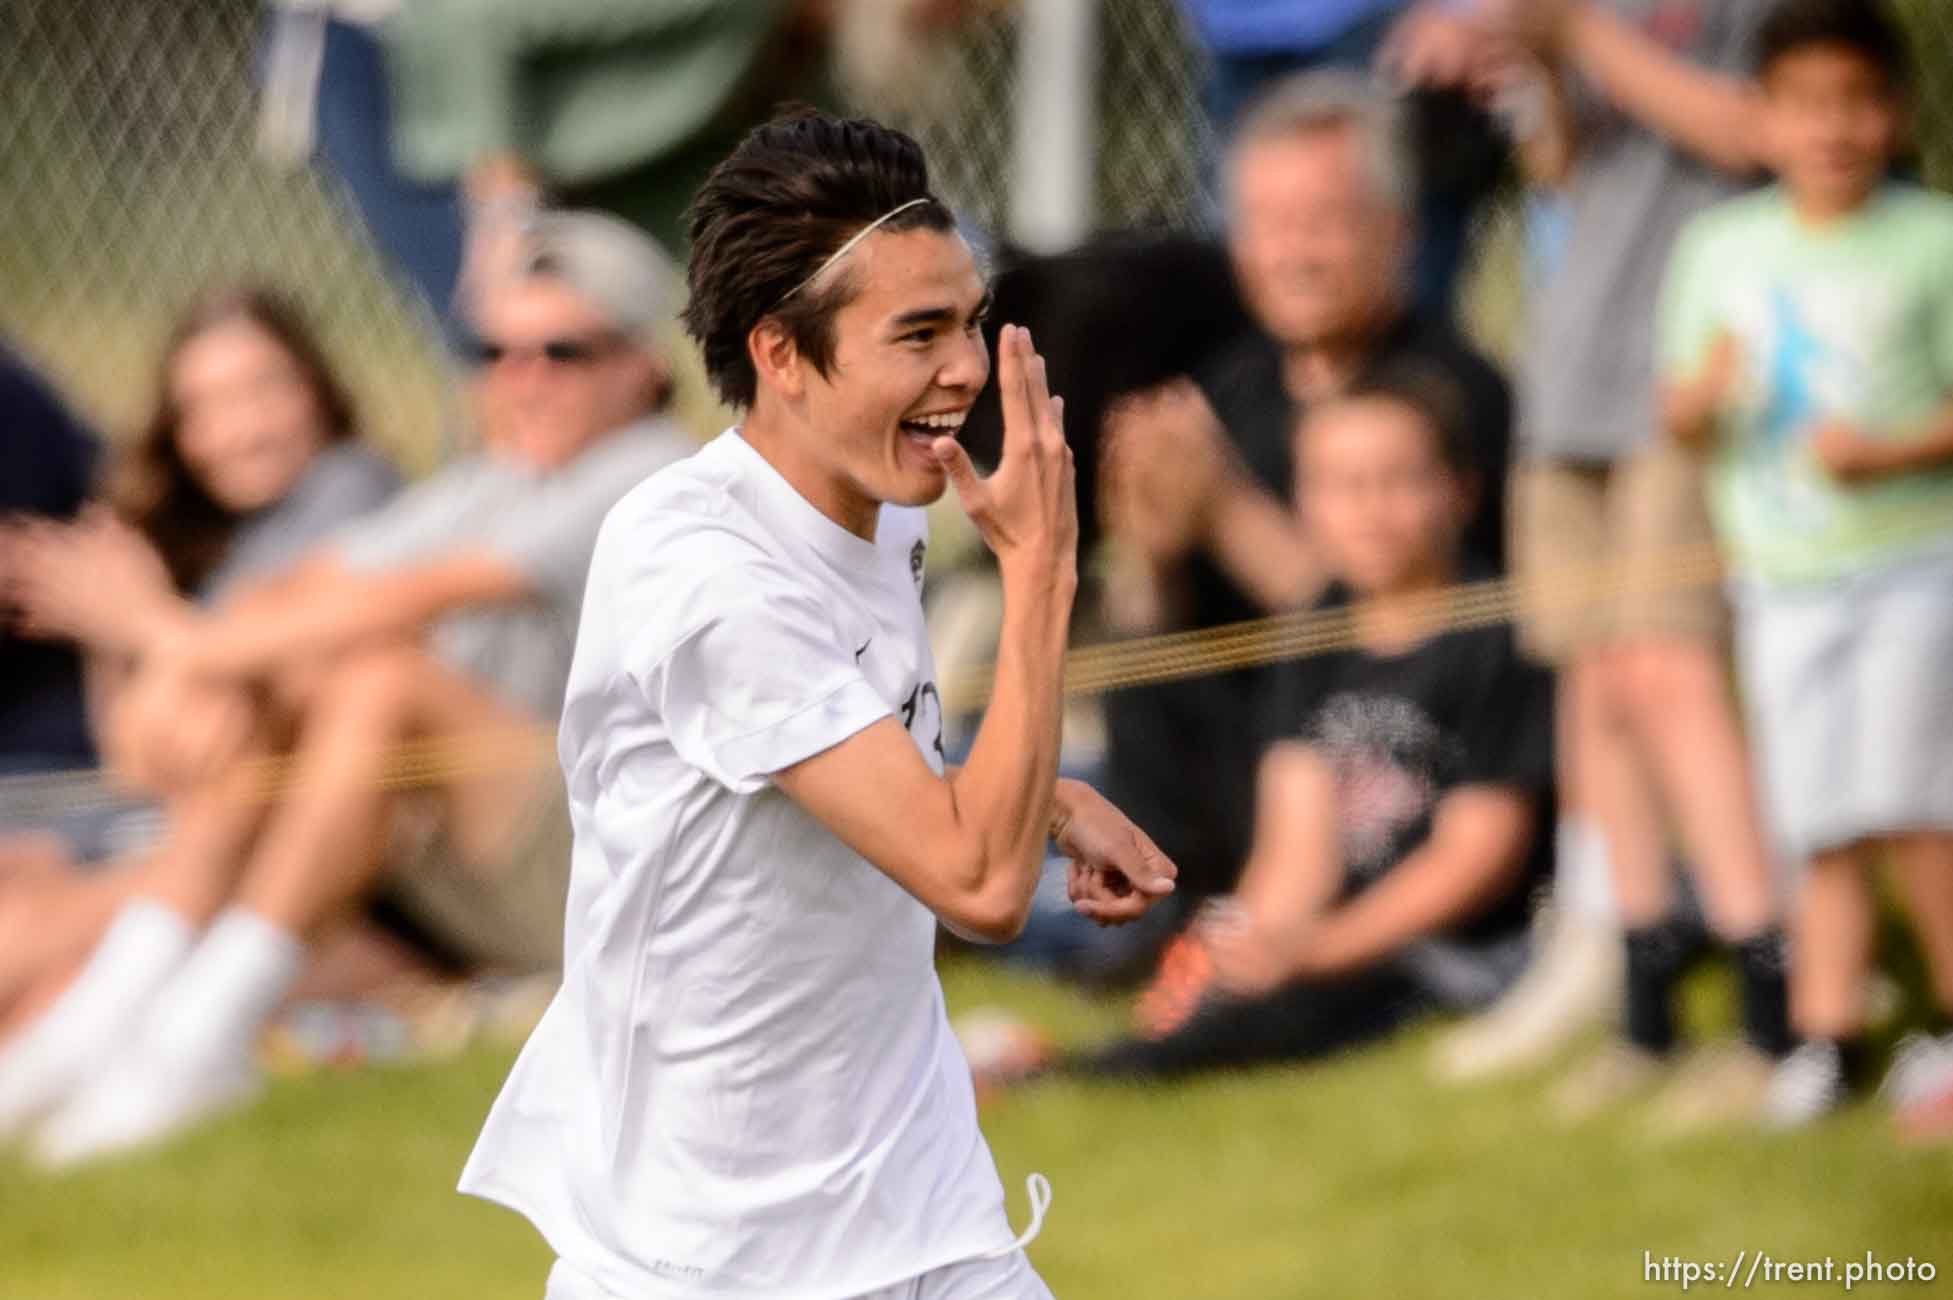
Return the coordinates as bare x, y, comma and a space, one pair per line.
776, 358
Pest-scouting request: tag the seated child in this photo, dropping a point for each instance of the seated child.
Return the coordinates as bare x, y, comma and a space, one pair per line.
1406, 793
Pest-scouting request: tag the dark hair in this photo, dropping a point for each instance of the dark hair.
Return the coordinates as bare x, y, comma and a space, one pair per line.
153, 488
793, 192
1429, 394
1862, 26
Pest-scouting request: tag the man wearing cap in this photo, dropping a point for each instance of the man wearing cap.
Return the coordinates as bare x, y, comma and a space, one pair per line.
409, 672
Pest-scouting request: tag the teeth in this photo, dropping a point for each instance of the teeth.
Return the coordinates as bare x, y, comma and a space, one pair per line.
948, 423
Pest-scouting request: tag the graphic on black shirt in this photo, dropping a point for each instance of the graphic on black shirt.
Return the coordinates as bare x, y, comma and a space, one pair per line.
1402, 731
1389, 759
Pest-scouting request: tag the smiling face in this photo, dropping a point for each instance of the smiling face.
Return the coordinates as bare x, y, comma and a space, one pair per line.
1318, 250
908, 362
248, 421
1833, 120
554, 373
1377, 495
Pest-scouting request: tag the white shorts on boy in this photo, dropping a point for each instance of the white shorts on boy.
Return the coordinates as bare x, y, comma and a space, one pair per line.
1849, 688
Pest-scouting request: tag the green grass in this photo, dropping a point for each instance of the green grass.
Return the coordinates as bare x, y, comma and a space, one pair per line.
1359, 1178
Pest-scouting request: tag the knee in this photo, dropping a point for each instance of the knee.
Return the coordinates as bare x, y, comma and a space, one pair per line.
381, 680
1600, 694
1655, 686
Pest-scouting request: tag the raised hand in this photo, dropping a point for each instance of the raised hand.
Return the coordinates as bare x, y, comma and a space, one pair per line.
1164, 462
1026, 512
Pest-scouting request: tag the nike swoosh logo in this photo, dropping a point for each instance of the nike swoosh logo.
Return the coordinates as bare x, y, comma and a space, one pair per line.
864, 647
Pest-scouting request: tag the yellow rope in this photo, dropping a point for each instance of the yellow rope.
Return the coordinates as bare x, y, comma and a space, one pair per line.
1092, 670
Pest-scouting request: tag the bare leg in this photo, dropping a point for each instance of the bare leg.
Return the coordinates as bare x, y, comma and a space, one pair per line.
32, 855
1925, 862
1613, 789
209, 830
321, 848
1681, 712
1831, 945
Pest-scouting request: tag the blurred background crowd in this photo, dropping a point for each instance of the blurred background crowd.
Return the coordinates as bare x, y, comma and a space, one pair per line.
1475, 389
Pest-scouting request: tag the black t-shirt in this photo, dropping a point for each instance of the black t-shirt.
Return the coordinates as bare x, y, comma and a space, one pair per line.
1181, 756
1402, 731
46, 463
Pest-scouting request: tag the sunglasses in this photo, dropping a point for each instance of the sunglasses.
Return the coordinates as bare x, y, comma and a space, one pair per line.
558, 352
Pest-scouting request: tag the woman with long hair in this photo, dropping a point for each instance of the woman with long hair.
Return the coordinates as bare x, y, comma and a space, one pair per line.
251, 457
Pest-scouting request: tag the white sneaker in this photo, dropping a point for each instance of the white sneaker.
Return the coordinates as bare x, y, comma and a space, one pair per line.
1922, 1067
139, 1105
1574, 982
1806, 1086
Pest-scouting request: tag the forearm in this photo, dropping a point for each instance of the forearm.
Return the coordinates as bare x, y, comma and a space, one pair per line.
1004, 795
334, 609
1931, 449
1295, 867
1711, 116
1257, 541
1436, 888
1545, 135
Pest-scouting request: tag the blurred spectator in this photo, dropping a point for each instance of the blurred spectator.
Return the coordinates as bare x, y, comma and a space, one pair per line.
251, 457
449, 119
1169, 300
1807, 334
47, 462
1405, 804
1196, 474
1662, 121
45, 471
1428, 49
427, 644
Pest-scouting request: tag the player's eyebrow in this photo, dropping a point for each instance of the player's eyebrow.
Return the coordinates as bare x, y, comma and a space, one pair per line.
938, 315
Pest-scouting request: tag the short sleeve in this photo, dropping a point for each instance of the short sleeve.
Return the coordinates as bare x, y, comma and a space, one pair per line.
1506, 727
551, 539
758, 685
412, 525
1686, 321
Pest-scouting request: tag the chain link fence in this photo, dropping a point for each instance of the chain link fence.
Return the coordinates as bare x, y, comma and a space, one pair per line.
128, 183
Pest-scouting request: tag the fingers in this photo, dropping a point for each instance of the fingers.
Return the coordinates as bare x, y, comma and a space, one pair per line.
1150, 871
1106, 897
1020, 419
962, 473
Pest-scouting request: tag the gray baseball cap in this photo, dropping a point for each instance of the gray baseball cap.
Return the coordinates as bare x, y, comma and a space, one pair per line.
616, 266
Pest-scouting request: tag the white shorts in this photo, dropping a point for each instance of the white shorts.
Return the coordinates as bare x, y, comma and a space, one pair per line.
1849, 688
1010, 1277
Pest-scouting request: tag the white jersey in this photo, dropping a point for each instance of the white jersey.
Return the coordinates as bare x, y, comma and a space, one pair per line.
747, 1084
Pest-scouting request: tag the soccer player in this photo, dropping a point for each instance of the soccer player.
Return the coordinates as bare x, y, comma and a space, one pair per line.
747, 1085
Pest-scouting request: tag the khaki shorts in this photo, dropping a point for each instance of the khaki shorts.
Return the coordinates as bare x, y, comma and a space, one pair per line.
1606, 553
505, 914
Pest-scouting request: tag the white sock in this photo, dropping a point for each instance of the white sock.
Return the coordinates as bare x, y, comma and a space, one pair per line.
208, 1016
1583, 880
71, 1039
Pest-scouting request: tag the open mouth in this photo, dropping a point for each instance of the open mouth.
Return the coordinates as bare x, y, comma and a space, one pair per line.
930, 426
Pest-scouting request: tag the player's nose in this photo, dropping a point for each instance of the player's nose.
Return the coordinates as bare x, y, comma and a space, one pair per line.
967, 368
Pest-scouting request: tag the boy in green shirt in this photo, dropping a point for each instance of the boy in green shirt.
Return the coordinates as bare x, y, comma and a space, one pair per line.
1806, 337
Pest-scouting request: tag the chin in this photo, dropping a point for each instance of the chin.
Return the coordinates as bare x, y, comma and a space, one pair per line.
915, 491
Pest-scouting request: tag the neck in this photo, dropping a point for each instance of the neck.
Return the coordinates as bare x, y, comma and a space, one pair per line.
1322, 368
783, 443
1407, 615
1824, 209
